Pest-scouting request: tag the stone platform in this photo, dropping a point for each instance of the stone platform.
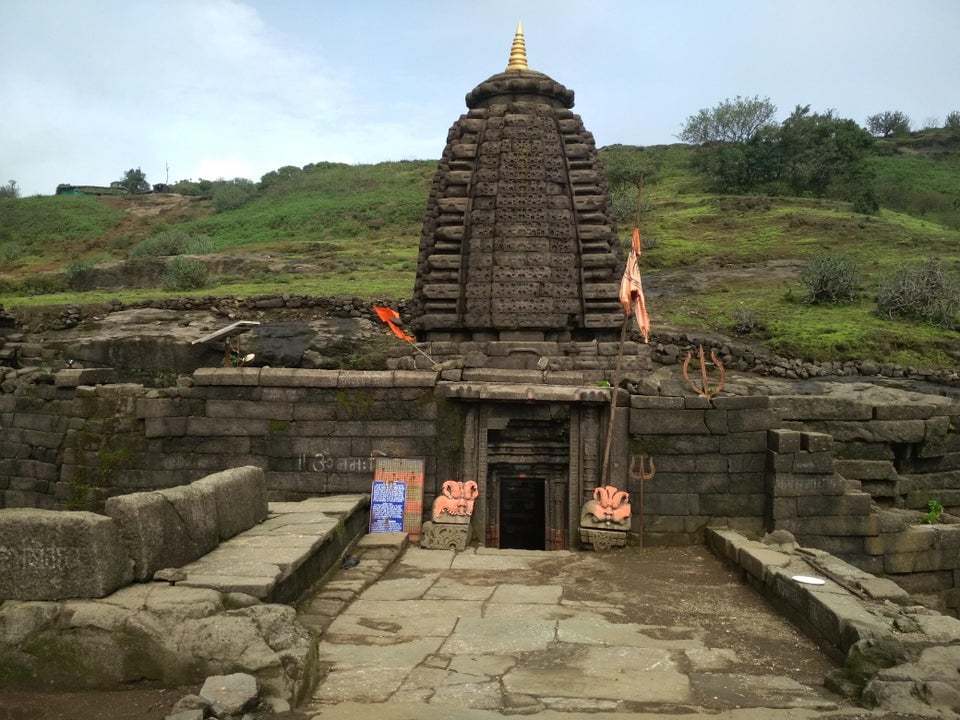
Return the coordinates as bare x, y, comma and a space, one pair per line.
279, 559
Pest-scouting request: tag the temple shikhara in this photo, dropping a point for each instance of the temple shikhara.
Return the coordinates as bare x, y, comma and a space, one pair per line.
518, 243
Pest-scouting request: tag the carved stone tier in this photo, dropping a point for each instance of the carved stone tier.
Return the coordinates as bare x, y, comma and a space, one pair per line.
518, 235
445, 536
602, 539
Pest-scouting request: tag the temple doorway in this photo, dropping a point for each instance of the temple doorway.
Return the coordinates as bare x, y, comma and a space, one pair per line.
522, 505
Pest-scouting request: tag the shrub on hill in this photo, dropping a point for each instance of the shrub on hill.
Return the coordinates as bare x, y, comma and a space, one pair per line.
184, 273
830, 279
231, 194
952, 121
173, 241
923, 292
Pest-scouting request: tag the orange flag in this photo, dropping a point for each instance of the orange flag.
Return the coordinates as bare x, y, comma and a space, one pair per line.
388, 315
631, 289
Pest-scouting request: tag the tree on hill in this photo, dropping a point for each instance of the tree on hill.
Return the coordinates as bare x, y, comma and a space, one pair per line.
134, 181
952, 121
820, 149
10, 190
808, 154
889, 123
736, 121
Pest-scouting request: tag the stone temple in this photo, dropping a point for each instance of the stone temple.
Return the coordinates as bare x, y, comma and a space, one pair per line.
519, 259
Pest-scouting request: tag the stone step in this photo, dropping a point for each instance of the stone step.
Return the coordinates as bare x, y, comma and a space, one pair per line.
280, 559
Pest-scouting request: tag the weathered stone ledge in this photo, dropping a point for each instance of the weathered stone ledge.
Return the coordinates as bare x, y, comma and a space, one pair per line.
895, 653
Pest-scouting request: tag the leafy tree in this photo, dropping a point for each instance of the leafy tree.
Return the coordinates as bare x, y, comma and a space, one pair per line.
134, 181
10, 190
736, 120
952, 121
744, 167
889, 123
820, 149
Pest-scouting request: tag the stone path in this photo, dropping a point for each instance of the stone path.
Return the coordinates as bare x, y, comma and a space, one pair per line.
485, 632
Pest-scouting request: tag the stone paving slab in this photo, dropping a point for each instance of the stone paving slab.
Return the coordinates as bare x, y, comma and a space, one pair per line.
416, 626
458, 635
497, 636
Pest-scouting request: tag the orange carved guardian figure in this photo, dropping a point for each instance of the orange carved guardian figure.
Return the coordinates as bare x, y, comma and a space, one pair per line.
458, 499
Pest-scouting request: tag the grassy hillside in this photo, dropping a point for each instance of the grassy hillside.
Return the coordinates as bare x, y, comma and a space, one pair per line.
711, 259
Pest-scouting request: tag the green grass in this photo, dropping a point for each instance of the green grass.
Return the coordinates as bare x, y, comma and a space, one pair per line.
360, 226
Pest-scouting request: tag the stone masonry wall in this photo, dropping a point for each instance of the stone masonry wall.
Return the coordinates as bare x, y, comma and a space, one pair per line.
311, 431
710, 457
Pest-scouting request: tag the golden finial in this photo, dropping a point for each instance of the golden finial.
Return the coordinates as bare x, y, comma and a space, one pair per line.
518, 52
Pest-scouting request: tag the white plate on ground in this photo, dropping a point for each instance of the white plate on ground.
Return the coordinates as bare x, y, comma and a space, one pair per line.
807, 580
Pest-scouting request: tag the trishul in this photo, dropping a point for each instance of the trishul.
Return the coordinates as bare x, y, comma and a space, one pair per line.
705, 389
642, 474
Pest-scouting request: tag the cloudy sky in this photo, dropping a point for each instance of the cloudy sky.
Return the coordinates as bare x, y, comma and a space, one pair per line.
227, 88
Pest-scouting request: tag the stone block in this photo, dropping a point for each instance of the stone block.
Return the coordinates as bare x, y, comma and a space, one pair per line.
52, 555
74, 377
697, 402
732, 505
819, 463
847, 504
866, 469
746, 483
786, 484
812, 407
688, 444
445, 536
414, 378
656, 402
747, 420
896, 431
249, 409
668, 422
835, 526
783, 507
863, 451
716, 421
742, 402
667, 504
747, 462
166, 528
744, 442
708, 483
815, 442
905, 411
783, 441
227, 376
240, 496
755, 560
157, 427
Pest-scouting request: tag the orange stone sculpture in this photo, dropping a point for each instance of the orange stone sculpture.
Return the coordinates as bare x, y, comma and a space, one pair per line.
457, 500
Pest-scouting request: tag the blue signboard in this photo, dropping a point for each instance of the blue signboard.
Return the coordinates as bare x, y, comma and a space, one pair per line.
386, 506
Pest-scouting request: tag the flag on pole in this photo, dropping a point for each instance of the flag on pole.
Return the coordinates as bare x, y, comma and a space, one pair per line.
631, 289
388, 315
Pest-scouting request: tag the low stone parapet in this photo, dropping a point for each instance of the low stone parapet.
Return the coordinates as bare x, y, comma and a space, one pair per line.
51, 555
892, 650
175, 526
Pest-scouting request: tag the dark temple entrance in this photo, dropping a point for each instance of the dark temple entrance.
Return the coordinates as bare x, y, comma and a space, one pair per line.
523, 515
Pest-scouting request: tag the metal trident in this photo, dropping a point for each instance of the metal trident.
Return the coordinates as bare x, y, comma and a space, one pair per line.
640, 476
705, 389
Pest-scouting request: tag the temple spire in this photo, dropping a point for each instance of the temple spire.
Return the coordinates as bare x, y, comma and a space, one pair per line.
518, 51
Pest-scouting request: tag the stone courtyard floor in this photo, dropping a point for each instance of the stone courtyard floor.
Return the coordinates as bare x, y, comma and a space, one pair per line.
665, 633
659, 632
